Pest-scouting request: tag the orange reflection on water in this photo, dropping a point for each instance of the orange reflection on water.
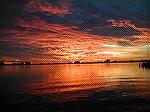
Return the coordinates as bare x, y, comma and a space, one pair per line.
61, 78
79, 80
71, 77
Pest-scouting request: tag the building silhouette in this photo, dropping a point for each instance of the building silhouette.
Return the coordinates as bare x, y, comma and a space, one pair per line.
27, 62
77, 62
1, 62
107, 61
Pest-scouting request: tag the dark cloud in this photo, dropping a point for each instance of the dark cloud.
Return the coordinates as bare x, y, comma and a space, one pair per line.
133, 39
123, 43
6, 34
54, 2
89, 12
85, 14
31, 30
15, 49
19, 46
115, 31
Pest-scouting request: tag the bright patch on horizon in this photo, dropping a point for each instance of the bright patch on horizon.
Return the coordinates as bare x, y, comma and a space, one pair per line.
109, 52
109, 45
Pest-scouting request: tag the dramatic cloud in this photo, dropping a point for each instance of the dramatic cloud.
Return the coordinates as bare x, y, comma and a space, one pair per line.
69, 30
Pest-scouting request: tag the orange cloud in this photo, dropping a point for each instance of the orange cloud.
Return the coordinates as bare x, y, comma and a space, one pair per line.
42, 41
126, 24
61, 11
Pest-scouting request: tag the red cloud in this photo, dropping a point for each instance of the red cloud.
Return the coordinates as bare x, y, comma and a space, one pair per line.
35, 6
60, 11
121, 23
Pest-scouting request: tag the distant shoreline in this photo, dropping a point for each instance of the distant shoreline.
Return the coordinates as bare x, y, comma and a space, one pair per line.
70, 63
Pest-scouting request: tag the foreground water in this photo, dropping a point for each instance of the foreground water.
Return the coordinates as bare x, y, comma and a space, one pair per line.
40, 84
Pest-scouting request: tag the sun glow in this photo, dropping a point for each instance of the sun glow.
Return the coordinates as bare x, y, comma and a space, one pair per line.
109, 52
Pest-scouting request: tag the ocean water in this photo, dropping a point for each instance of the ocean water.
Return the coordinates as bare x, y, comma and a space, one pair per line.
63, 83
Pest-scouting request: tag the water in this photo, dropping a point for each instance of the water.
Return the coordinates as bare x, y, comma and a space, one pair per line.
74, 82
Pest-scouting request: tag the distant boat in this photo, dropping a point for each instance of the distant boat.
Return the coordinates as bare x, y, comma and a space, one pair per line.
146, 64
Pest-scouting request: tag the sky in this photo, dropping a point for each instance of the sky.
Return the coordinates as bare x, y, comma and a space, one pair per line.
70, 30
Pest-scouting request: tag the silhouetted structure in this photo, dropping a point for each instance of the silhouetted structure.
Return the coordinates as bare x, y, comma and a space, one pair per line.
114, 61
107, 61
1, 63
27, 63
146, 64
22, 63
69, 63
77, 62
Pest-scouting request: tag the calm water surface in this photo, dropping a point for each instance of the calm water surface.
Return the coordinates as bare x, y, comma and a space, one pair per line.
76, 81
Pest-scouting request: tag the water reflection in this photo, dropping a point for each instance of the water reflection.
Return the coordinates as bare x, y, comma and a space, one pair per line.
88, 81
